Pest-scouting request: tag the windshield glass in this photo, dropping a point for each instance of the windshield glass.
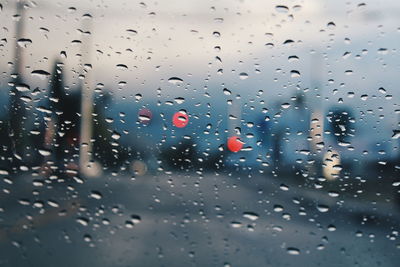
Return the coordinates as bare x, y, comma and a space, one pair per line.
199, 133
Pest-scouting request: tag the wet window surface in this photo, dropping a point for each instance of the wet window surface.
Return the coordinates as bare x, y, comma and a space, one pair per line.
199, 133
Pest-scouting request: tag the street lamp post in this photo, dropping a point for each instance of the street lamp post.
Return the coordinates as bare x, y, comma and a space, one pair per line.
85, 152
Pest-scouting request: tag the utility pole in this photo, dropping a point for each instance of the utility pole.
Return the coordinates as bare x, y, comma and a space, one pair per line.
234, 116
316, 113
85, 157
17, 106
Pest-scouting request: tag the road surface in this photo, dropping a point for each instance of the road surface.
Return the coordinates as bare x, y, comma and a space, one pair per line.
191, 220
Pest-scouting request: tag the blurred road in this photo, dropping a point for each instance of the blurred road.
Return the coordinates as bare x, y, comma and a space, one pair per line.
190, 220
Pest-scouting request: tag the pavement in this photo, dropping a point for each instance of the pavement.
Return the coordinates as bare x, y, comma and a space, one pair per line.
190, 219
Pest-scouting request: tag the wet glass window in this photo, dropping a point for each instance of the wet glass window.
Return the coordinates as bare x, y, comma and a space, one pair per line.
199, 133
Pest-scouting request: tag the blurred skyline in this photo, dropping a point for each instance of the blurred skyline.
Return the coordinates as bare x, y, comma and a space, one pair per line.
345, 49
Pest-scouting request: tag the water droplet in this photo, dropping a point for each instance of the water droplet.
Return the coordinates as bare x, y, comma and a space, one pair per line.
282, 9
383, 51
348, 72
293, 58
136, 218
175, 80
251, 215
226, 91
145, 115
132, 32
44, 152
346, 55
122, 66
216, 34
331, 228
83, 221
293, 251
96, 195
284, 187
295, 74
26, 99
235, 224
322, 208
138, 97
23, 42
396, 183
333, 194
243, 76
3, 172
331, 25
129, 224
22, 87
288, 41
42, 74
179, 100
278, 208
116, 135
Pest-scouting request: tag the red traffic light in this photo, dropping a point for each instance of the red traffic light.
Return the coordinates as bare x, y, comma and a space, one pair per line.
234, 144
180, 119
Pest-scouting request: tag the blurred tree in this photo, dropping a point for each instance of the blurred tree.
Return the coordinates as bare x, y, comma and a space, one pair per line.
180, 156
17, 115
5, 150
102, 146
62, 129
341, 122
